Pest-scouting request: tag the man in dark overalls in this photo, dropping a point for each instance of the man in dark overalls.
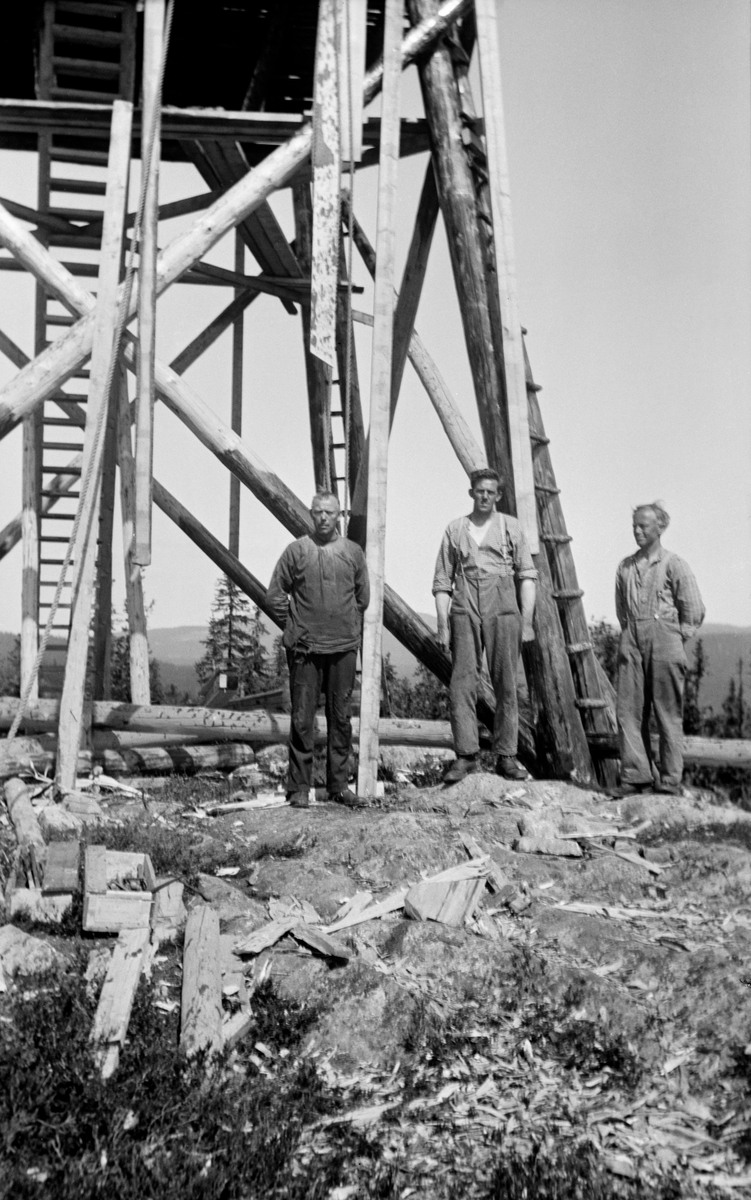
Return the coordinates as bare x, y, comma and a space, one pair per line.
659, 608
484, 576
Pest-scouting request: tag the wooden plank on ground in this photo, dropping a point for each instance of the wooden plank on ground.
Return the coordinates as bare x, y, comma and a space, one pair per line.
317, 940
451, 903
326, 161
268, 935
380, 401
61, 868
505, 274
201, 1002
116, 998
153, 39
85, 549
95, 870
390, 903
109, 912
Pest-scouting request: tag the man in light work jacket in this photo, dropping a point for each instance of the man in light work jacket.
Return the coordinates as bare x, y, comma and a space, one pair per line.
483, 577
319, 591
659, 608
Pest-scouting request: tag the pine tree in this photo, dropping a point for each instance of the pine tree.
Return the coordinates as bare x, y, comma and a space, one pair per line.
605, 640
235, 640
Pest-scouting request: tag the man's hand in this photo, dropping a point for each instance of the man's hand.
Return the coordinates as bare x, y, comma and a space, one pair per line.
528, 632
443, 634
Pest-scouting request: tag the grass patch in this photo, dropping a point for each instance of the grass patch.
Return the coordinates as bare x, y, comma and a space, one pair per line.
163, 1127
567, 1174
736, 833
188, 853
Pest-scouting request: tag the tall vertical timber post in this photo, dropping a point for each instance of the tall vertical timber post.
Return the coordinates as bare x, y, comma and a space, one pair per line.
380, 400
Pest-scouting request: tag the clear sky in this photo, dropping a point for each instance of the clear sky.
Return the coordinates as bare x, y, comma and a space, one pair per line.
630, 152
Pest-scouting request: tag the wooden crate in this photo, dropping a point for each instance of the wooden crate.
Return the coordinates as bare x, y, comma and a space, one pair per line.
106, 908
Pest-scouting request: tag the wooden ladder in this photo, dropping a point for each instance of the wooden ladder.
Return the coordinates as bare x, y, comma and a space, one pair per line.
594, 694
87, 53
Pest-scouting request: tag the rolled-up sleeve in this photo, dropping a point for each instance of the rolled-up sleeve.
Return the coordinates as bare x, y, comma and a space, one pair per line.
443, 576
524, 567
687, 597
279, 587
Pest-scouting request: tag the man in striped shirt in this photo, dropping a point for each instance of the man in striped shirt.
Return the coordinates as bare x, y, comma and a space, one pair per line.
659, 608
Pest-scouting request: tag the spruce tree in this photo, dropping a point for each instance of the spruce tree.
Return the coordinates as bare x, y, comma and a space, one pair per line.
235, 640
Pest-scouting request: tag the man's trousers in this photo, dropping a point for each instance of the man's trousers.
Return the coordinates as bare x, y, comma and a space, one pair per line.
500, 635
651, 676
309, 674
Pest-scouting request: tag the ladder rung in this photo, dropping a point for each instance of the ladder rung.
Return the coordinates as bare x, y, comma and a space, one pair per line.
579, 647
72, 397
44, 604
56, 319
61, 540
51, 562
82, 374
60, 470
556, 539
80, 187
58, 421
62, 446
547, 490
337, 412
88, 95
77, 214
91, 37
85, 9
338, 445
569, 594
72, 154
89, 67
75, 241
592, 703
54, 582
58, 516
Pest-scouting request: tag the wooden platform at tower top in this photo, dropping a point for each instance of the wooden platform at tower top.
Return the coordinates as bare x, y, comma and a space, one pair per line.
260, 97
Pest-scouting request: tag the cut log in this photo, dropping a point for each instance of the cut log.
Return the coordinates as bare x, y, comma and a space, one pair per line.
548, 845
451, 903
116, 998
23, 818
176, 760
201, 1002
61, 869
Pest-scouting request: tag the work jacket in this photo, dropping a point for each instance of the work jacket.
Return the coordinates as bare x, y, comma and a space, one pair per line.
319, 593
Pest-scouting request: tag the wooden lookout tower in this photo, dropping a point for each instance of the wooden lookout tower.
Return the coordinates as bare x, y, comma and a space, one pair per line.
259, 97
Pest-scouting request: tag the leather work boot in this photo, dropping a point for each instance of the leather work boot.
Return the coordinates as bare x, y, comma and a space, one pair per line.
462, 765
669, 789
630, 789
508, 768
298, 799
349, 799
